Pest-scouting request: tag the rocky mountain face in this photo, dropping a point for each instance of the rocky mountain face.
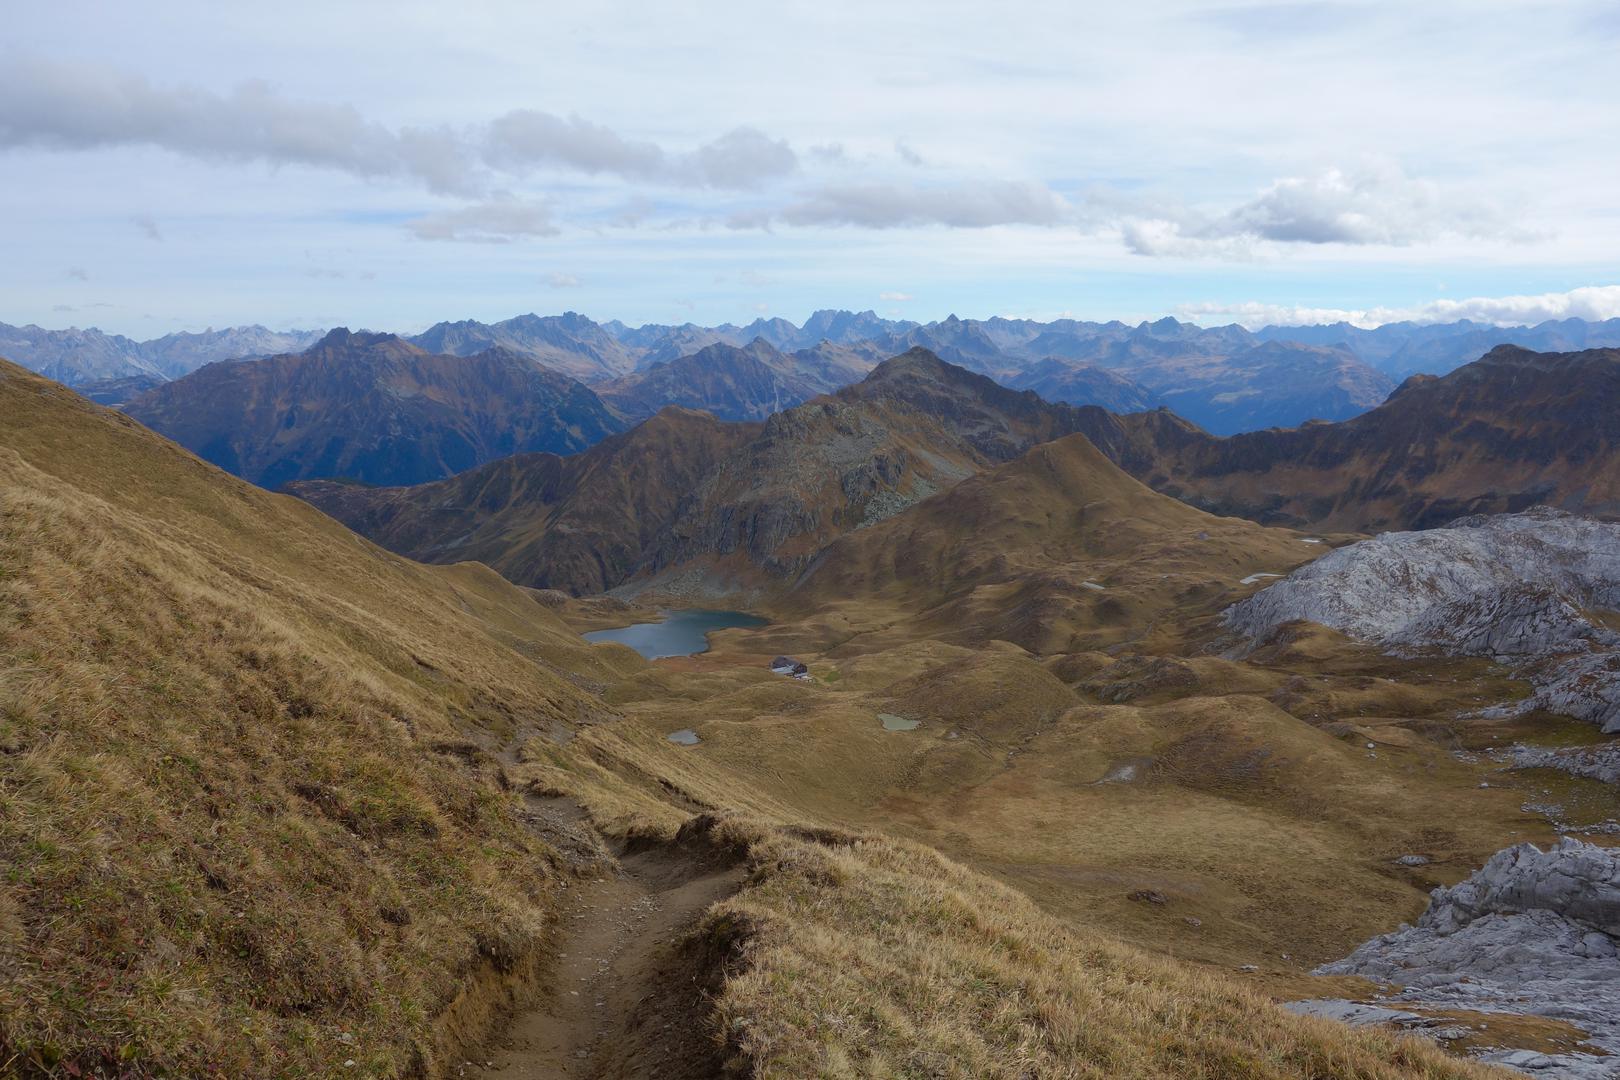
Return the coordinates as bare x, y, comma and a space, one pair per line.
1262, 386
1531, 932
1506, 432
569, 343
748, 383
1403, 349
373, 408
1076, 383
1537, 590
1223, 378
746, 502
913, 427
178, 354
581, 523
81, 357
119, 392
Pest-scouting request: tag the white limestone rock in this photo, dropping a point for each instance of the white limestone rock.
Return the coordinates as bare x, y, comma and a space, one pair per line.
1520, 588
1531, 932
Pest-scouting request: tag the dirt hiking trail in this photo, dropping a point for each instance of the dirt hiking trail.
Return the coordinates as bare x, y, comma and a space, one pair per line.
624, 997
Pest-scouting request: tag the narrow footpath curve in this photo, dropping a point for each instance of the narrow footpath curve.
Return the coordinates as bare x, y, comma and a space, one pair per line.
622, 1000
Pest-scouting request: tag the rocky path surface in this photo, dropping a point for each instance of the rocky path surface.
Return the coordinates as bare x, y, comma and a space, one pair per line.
625, 997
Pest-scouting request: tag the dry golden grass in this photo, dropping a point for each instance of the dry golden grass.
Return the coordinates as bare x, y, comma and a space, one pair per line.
868, 957
248, 802
261, 810
925, 971
1274, 828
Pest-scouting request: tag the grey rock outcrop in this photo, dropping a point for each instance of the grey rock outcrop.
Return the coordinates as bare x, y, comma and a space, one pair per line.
1531, 932
1600, 763
1517, 587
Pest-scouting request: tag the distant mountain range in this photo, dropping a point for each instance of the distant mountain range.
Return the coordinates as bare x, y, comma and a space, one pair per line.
738, 501
83, 357
1225, 379
733, 382
704, 507
374, 408
1509, 431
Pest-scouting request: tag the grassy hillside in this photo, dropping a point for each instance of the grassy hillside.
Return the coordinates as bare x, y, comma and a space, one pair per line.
272, 801
1058, 550
870, 958
250, 796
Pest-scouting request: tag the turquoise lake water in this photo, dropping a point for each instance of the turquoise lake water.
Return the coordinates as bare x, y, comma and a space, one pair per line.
679, 633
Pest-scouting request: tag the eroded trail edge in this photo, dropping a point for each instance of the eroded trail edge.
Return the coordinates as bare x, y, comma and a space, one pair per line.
630, 990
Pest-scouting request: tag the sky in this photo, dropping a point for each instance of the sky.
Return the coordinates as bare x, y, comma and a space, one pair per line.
176, 165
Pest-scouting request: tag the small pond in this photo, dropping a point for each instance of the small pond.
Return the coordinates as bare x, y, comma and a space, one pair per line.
893, 722
678, 633
685, 736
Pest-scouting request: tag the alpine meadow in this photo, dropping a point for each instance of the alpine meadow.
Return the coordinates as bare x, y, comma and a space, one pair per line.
901, 541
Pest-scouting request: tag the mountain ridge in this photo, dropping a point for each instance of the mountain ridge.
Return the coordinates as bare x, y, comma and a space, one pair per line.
372, 407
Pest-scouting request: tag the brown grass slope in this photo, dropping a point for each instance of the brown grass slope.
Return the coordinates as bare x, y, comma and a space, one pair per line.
246, 798
580, 523
1059, 550
875, 958
851, 954
1510, 430
374, 408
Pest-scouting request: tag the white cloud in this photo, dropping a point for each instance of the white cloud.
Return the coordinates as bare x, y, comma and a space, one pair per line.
563, 281
495, 221
1593, 302
527, 137
1506, 109
742, 158
1371, 206
79, 107
895, 297
64, 106
148, 226
967, 205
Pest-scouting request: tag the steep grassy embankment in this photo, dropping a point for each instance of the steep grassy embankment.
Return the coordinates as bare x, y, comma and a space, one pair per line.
249, 820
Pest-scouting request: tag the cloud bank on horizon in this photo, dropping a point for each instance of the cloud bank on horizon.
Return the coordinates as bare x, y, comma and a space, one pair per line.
1594, 303
1272, 161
